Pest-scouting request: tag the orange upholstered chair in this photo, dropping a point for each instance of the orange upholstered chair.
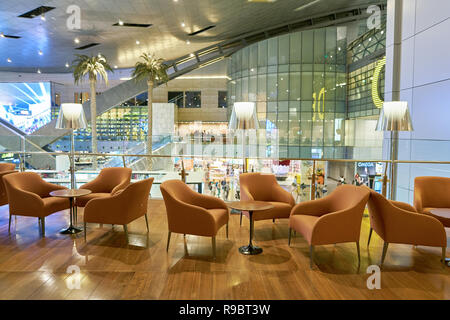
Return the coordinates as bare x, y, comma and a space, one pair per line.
335, 218
105, 184
120, 208
189, 212
398, 222
29, 195
5, 168
264, 187
433, 194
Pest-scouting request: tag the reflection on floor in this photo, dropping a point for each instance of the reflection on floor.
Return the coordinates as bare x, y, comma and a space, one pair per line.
36, 268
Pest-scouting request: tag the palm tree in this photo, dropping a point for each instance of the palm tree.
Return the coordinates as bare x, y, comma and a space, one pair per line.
153, 70
94, 67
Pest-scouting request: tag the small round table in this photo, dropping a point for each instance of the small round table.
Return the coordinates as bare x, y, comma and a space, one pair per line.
443, 215
250, 206
71, 194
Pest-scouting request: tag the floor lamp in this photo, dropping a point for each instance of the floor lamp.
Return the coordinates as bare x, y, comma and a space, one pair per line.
71, 116
394, 117
243, 117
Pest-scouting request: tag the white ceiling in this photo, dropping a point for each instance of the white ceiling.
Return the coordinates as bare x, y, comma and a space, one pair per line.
166, 38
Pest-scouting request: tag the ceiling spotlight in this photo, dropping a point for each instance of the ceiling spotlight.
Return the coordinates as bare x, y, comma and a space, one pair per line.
138, 42
99, 55
2, 35
188, 42
76, 40
120, 23
38, 70
67, 64
42, 17
191, 55
9, 60
175, 0
115, 67
40, 52
183, 24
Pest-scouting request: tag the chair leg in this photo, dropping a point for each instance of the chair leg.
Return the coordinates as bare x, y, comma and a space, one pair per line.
359, 253
227, 230
43, 226
168, 241
9, 226
273, 220
383, 256
290, 234
240, 223
311, 256
146, 222
213, 240
370, 236
125, 228
85, 230
444, 260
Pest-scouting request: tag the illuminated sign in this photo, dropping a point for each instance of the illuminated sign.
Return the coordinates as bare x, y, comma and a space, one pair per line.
375, 88
317, 101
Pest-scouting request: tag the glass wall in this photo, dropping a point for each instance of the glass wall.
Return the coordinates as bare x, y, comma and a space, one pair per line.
298, 82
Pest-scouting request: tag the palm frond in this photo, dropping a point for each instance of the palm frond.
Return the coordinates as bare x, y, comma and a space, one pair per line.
150, 68
96, 67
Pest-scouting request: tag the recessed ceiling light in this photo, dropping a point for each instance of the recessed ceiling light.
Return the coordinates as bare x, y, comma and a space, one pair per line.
175, 0
183, 24
76, 40
9, 60
67, 64
99, 55
115, 67
191, 55
38, 70
120, 23
40, 52
2, 35
138, 42
43, 17
188, 42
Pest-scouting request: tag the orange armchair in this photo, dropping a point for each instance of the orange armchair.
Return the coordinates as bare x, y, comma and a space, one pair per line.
7, 166
3, 195
432, 194
398, 222
335, 218
109, 181
264, 187
122, 208
29, 195
189, 212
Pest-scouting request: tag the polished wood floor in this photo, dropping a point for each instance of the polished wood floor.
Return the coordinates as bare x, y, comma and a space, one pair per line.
36, 268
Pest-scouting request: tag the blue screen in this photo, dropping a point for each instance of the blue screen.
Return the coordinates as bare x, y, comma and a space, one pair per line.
27, 106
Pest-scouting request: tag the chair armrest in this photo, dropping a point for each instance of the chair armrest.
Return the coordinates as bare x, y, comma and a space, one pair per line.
245, 194
403, 226
403, 205
24, 202
418, 203
119, 187
281, 195
311, 208
208, 202
48, 187
92, 186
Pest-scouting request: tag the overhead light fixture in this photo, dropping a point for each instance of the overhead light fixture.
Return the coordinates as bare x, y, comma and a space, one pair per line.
39, 11
43, 17
38, 70
120, 23
40, 52
307, 5
191, 55
2, 35
183, 24
76, 40
115, 67
138, 42
135, 25
188, 42
67, 64
8, 36
9, 60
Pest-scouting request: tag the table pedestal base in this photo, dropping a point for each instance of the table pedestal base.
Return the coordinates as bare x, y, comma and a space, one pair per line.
250, 250
70, 230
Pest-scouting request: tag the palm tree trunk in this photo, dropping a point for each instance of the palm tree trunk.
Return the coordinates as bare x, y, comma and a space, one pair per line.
150, 123
93, 122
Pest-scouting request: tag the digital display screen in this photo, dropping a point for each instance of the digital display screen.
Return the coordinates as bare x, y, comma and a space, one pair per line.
27, 106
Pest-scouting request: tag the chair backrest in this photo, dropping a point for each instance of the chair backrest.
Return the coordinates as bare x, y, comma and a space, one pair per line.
109, 178
176, 190
26, 181
348, 196
378, 210
431, 192
258, 184
7, 166
136, 195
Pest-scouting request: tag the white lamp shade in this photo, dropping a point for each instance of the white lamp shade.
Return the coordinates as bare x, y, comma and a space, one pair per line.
71, 116
244, 116
395, 117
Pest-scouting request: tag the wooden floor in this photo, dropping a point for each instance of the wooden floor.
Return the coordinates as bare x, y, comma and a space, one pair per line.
35, 268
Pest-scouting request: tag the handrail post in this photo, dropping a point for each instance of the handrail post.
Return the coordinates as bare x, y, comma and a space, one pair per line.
313, 181
123, 160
